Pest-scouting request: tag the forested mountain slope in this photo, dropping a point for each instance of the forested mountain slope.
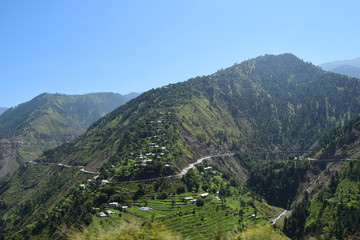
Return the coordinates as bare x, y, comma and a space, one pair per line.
267, 104
335, 211
47, 121
2, 109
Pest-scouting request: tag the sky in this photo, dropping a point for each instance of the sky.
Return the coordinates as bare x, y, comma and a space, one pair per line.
122, 46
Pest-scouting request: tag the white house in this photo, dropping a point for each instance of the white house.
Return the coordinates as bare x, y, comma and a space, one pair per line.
114, 204
102, 214
145, 208
188, 198
204, 195
104, 182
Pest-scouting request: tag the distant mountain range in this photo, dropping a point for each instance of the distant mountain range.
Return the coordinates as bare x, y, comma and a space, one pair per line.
2, 109
346, 67
47, 121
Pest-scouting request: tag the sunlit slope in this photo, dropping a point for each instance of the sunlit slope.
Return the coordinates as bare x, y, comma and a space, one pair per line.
270, 103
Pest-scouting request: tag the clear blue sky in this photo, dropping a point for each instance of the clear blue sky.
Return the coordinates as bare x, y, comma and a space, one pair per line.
82, 46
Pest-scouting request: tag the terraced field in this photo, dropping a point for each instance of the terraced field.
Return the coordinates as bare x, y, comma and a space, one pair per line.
214, 218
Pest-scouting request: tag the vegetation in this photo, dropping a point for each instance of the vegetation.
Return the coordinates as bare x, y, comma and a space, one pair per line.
264, 233
261, 108
335, 211
130, 231
47, 121
278, 181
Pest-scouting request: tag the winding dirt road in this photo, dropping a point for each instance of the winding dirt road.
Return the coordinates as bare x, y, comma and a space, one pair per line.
278, 217
182, 172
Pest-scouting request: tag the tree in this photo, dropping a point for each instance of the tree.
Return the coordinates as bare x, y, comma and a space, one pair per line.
200, 202
191, 180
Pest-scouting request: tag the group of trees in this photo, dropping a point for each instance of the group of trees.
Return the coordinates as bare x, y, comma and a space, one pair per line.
278, 181
333, 213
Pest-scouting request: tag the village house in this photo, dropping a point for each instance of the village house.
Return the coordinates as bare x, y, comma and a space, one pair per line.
145, 208
114, 204
104, 182
204, 195
253, 216
109, 212
102, 214
188, 198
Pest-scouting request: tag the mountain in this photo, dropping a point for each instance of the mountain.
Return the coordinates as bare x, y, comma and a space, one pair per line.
335, 211
346, 67
131, 95
2, 109
267, 105
47, 121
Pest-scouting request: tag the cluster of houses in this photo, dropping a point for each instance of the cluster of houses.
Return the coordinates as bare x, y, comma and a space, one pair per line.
190, 199
105, 214
253, 216
114, 205
103, 182
202, 195
148, 158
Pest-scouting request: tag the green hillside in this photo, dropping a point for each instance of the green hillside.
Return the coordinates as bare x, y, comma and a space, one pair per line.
334, 212
47, 121
266, 105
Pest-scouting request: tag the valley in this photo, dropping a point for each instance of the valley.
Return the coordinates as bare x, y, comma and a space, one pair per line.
47, 121
215, 157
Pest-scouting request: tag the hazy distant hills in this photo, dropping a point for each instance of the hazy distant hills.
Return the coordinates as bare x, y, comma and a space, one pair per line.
2, 109
130, 96
346, 67
49, 120
263, 105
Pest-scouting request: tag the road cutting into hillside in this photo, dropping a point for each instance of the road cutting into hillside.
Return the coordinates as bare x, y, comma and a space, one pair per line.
278, 217
182, 172
200, 160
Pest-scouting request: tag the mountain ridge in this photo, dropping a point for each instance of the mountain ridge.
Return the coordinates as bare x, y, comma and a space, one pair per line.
346, 67
2, 110
47, 121
334, 210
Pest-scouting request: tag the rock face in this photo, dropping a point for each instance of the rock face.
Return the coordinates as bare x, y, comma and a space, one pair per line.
8, 152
